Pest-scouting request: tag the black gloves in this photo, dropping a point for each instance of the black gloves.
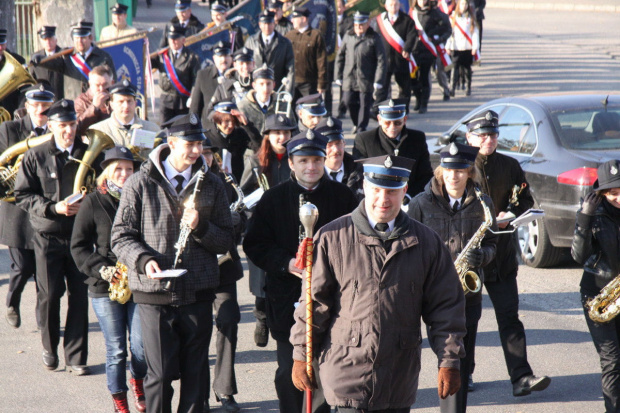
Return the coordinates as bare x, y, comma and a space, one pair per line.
591, 203
475, 257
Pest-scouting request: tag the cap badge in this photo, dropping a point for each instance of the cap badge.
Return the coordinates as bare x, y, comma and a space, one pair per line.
310, 135
42, 88
388, 162
125, 82
391, 103
489, 116
64, 104
193, 119
613, 170
123, 149
330, 122
453, 149
280, 118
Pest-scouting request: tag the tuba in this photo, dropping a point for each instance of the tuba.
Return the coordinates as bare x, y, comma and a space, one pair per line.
12, 77
8, 173
85, 176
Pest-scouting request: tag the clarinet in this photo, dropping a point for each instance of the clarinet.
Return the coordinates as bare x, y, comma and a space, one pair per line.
180, 245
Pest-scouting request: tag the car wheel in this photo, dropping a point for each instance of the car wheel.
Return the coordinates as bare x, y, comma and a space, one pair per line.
536, 249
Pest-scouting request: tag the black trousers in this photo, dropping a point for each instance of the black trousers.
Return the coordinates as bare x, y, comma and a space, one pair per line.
22, 268
55, 267
260, 309
403, 80
504, 295
457, 403
421, 84
176, 344
328, 90
227, 317
165, 113
606, 339
292, 400
354, 410
359, 104
442, 77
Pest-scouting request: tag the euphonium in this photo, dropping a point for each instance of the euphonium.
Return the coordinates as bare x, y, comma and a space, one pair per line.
12, 77
120, 291
606, 305
469, 279
8, 173
85, 176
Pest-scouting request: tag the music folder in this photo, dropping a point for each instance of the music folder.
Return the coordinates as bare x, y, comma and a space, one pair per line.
172, 273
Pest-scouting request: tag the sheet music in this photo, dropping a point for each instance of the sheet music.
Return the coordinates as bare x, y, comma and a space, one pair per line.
172, 273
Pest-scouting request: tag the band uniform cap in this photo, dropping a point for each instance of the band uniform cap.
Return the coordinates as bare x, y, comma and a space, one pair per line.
392, 109
458, 156
244, 55
39, 93
331, 128
309, 143
300, 12
608, 175
3, 35
263, 72
187, 127
218, 7
81, 29
46, 32
181, 5
387, 171
274, 4
225, 107
267, 16
175, 31
222, 48
313, 104
119, 9
61, 111
360, 18
278, 122
118, 153
124, 87
483, 122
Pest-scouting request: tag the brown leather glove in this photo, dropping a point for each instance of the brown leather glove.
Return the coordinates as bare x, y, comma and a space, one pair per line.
300, 377
448, 381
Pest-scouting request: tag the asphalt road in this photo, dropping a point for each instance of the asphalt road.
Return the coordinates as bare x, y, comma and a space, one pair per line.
524, 51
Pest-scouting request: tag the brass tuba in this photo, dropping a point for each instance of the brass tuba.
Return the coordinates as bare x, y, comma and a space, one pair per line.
8, 172
85, 176
12, 77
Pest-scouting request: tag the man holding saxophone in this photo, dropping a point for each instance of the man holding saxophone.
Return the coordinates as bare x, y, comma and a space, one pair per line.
153, 213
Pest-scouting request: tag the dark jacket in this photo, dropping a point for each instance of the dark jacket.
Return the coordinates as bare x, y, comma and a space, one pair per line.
361, 61
207, 81
236, 143
231, 89
55, 79
435, 23
284, 26
273, 237
310, 57
16, 229
193, 26
44, 179
499, 174
148, 225
412, 145
279, 56
432, 209
87, 113
479, 6
353, 175
596, 243
186, 67
231, 270
280, 172
368, 306
405, 27
256, 117
90, 242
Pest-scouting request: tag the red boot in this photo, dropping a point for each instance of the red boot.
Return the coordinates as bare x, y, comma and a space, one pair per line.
138, 394
120, 402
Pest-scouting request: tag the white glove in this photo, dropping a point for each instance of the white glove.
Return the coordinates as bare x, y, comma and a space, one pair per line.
338, 82
377, 86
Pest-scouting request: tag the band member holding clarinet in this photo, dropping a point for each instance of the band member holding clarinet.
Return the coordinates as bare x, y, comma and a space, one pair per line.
455, 208
368, 301
272, 241
176, 313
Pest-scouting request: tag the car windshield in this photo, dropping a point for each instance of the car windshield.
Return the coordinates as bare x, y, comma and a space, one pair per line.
592, 129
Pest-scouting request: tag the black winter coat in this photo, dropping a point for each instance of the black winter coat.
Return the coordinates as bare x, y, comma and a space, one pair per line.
273, 238
55, 79
405, 28
280, 172
435, 23
186, 67
278, 55
236, 143
361, 61
231, 270
193, 26
207, 81
412, 145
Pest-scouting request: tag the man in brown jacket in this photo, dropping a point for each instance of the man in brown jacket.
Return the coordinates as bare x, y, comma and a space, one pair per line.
310, 55
367, 322
93, 106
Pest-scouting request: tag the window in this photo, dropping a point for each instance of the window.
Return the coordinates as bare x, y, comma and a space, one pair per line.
517, 131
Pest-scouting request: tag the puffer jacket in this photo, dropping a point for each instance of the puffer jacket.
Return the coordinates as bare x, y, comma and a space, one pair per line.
147, 226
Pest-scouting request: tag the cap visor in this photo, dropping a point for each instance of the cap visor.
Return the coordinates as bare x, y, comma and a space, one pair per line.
454, 165
387, 184
308, 152
485, 130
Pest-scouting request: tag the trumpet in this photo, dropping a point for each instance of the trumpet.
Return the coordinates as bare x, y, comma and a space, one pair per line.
284, 100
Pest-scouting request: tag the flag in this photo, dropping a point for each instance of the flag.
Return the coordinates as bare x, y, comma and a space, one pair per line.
128, 57
371, 7
203, 46
324, 17
249, 10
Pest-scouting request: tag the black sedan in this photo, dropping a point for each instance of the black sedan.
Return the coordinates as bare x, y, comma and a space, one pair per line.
559, 140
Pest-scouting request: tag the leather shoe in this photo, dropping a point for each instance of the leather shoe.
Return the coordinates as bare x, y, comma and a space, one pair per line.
470, 384
205, 407
13, 317
261, 334
527, 384
228, 403
79, 370
50, 360
446, 98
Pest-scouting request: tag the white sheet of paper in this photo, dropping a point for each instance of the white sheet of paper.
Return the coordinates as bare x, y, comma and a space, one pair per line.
226, 161
143, 138
527, 217
169, 273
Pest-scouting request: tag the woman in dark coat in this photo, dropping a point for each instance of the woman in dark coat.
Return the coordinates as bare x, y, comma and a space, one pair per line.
450, 206
596, 243
90, 248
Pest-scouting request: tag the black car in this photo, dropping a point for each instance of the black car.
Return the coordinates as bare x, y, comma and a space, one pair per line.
559, 140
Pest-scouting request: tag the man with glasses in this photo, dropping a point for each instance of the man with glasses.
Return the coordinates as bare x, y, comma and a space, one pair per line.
499, 175
392, 137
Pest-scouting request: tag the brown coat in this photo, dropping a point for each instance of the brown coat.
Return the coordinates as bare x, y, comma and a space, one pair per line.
310, 57
87, 113
369, 298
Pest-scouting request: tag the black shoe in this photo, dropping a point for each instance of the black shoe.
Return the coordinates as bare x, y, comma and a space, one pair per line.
470, 384
527, 384
205, 407
79, 370
468, 92
423, 109
228, 403
261, 334
452, 93
446, 98
13, 318
354, 130
417, 105
50, 360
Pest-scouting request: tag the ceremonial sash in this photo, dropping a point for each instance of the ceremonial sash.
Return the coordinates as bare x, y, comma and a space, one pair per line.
80, 64
444, 7
172, 74
468, 38
388, 32
438, 50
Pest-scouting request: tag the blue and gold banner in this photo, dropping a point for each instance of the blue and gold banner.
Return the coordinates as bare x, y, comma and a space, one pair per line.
324, 17
204, 42
248, 10
128, 57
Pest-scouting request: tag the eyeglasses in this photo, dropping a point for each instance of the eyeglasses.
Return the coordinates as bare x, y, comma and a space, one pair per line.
394, 122
485, 136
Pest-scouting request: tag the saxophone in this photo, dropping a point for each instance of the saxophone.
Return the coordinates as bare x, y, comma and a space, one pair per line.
469, 279
120, 291
606, 305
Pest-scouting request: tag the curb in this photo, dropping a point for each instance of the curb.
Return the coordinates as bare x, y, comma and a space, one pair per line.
520, 5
